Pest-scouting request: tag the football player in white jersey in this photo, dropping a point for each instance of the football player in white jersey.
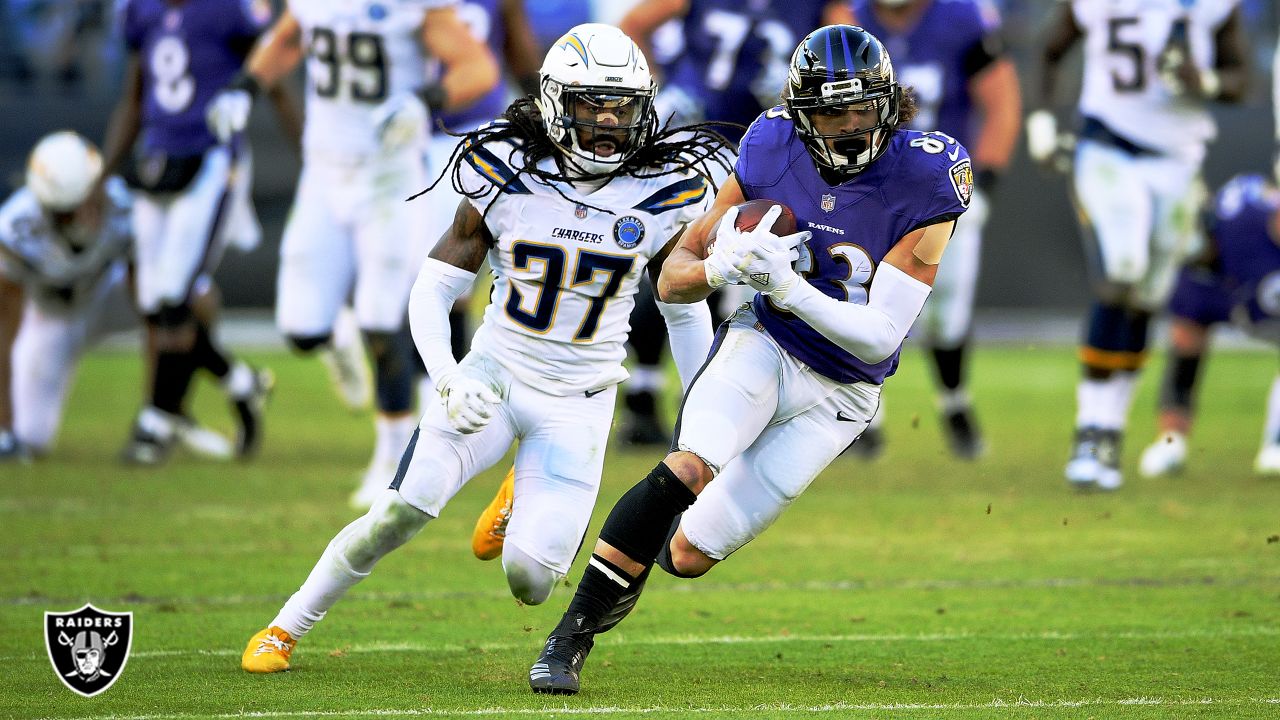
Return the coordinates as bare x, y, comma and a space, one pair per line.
370, 89
570, 201
65, 240
1150, 69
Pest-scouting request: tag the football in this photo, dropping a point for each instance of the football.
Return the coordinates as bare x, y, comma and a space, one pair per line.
750, 213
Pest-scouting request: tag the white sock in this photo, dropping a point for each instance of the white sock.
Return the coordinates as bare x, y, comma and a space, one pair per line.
1114, 413
645, 379
348, 559
239, 382
393, 435
1271, 430
1091, 401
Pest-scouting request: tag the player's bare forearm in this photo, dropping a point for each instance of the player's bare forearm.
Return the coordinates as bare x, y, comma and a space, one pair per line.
644, 18
1061, 36
277, 53
10, 320
470, 70
288, 114
1000, 102
522, 57
1232, 59
467, 241
683, 279
126, 118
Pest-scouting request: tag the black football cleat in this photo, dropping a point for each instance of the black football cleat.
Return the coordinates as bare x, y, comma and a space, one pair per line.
962, 432
642, 426
248, 413
557, 668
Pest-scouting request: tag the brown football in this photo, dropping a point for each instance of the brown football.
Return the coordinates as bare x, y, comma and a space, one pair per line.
751, 211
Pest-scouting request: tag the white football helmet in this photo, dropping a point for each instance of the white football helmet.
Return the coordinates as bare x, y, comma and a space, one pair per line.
62, 170
596, 97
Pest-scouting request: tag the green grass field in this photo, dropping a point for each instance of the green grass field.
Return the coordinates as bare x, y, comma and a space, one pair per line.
911, 587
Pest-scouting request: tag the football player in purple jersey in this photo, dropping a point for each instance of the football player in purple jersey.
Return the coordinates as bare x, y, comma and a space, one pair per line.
192, 201
951, 54
1237, 281
794, 377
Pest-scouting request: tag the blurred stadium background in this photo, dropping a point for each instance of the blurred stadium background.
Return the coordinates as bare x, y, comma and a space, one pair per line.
60, 65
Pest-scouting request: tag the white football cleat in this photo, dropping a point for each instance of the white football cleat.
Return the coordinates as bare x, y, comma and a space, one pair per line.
348, 366
1166, 456
202, 441
1268, 460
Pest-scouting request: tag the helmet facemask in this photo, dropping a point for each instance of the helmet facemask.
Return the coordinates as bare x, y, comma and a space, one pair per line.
597, 128
845, 135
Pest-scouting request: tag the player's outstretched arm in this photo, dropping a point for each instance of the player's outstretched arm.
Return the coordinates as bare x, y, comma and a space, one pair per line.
277, 53
470, 70
646, 16
999, 100
521, 54
126, 119
684, 275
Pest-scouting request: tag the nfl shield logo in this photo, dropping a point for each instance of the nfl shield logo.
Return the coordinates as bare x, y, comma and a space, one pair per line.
88, 647
580, 211
828, 203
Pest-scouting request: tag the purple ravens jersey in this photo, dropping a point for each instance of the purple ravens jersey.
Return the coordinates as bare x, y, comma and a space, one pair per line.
921, 179
738, 50
1241, 227
937, 57
484, 19
189, 51
1202, 296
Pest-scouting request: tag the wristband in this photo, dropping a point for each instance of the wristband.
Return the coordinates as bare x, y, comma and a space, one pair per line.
246, 82
433, 96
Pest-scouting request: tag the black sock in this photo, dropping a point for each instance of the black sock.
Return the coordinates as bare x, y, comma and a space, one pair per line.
602, 585
205, 354
950, 366
171, 381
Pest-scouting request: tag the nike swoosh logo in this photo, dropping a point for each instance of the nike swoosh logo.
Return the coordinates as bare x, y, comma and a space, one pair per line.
845, 418
593, 393
954, 154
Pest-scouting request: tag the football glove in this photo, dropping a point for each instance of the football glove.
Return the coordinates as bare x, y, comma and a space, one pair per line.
725, 252
399, 120
1046, 146
469, 402
228, 113
767, 264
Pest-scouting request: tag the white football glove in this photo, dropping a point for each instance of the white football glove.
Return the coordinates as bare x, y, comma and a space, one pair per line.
1047, 146
468, 402
228, 113
767, 265
400, 119
727, 250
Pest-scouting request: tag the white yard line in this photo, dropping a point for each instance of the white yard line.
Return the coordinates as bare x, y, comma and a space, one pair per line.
678, 640
997, 704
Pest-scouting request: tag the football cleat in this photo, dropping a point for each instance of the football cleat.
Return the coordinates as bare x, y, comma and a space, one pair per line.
1268, 460
557, 669
491, 527
248, 413
152, 439
347, 364
202, 441
268, 651
869, 445
1095, 460
961, 430
642, 426
1166, 456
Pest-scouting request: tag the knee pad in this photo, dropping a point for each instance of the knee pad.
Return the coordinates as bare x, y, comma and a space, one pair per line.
530, 581
1116, 338
641, 518
308, 343
393, 366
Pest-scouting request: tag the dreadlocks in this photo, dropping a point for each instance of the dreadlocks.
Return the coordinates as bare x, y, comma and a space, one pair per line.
698, 147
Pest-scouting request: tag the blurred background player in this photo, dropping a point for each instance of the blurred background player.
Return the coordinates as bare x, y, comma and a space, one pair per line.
370, 92
951, 54
502, 26
1150, 69
721, 61
193, 201
571, 200
1237, 280
65, 239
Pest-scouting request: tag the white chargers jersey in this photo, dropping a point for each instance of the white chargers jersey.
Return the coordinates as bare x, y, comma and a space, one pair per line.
57, 276
359, 54
566, 275
1122, 88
